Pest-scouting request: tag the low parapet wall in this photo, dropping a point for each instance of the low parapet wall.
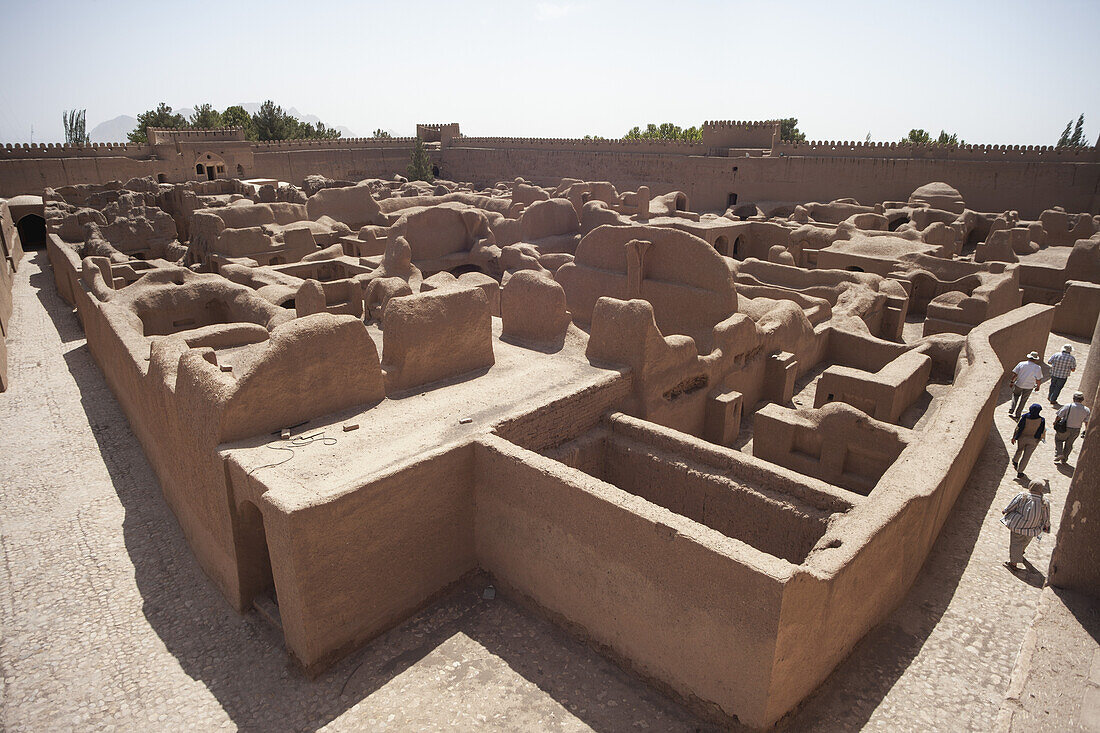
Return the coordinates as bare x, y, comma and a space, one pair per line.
590, 145
868, 559
1027, 153
61, 150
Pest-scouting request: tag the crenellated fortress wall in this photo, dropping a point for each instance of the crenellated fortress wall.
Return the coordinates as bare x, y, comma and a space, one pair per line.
738, 161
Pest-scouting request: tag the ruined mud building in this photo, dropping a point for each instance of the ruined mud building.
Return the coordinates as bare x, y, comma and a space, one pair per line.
720, 445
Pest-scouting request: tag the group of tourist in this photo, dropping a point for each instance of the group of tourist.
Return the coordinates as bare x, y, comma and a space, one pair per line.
1028, 514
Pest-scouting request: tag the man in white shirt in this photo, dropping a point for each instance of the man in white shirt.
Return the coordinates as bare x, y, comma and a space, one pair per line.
1076, 416
1026, 376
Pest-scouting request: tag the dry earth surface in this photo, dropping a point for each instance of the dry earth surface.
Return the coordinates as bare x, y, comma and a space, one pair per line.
108, 622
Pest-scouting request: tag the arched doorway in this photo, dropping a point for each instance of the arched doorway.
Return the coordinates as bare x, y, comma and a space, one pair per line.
32, 231
721, 244
253, 558
210, 166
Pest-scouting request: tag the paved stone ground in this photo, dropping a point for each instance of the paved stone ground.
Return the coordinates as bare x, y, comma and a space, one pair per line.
1056, 684
106, 621
943, 660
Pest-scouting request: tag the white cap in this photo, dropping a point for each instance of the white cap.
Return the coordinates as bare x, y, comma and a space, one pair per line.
1068, 348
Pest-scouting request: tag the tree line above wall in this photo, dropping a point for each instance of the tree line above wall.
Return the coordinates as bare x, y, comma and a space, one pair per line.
788, 132
270, 122
1072, 137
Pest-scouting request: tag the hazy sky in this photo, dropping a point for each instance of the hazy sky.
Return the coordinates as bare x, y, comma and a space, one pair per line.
994, 72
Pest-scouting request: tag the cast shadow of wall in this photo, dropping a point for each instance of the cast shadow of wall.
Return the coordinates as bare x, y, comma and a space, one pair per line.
241, 659
858, 685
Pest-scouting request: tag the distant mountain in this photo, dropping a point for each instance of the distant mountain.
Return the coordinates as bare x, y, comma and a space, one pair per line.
115, 131
314, 119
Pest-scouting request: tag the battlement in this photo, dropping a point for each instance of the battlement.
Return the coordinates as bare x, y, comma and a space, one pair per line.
441, 133
340, 142
61, 150
588, 145
840, 149
167, 136
742, 124
719, 134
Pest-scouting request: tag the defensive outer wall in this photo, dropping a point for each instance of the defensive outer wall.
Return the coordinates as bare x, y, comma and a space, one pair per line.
736, 162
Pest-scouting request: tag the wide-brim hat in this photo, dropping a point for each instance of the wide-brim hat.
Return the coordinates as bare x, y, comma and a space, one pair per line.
1033, 355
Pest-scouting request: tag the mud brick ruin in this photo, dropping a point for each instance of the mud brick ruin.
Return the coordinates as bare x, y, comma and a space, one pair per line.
705, 404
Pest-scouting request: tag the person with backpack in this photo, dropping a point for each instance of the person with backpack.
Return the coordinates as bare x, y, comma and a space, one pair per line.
1027, 516
1030, 430
1067, 426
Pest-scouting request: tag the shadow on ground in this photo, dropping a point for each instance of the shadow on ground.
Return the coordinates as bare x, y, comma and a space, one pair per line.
847, 699
1084, 608
63, 317
241, 659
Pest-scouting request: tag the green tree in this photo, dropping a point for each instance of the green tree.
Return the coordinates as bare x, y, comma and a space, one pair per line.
308, 131
270, 122
952, 139
1076, 139
205, 117
420, 165
921, 137
917, 137
236, 116
161, 117
73, 120
381, 134
788, 131
664, 131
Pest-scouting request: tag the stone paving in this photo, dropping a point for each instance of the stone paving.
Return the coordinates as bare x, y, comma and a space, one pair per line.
106, 621
1056, 684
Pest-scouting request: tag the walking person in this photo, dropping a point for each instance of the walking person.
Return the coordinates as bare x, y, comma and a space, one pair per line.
1062, 365
1071, 418
1027, 516
1026, 376
1030, 431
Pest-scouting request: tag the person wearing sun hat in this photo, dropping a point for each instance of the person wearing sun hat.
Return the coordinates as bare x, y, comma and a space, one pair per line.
1030, 430
1026, 376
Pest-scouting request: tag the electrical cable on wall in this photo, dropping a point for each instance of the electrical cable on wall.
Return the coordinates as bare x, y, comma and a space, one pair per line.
299, 442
